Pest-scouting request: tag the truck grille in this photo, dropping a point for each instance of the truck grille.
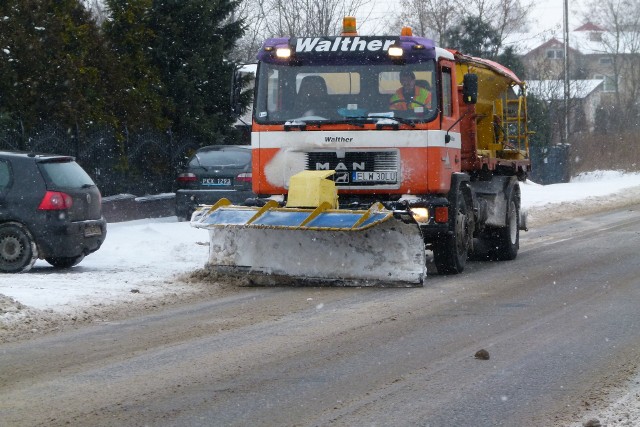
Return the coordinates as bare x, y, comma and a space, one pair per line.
357, 168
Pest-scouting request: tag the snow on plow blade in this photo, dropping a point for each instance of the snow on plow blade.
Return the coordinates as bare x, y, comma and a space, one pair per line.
274, 245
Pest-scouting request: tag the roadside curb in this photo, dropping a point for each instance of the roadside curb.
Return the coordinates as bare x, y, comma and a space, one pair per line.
127, 207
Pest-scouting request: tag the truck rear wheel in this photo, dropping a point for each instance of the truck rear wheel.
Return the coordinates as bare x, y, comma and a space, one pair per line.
450, 254
507, 239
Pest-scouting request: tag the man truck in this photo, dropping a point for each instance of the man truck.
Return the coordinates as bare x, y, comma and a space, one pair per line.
359, 180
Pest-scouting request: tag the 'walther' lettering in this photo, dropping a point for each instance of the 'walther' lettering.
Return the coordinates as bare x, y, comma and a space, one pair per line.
342, 44
337, 139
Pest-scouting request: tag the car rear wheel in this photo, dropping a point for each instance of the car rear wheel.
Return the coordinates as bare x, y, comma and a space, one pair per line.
184, 217
18, 252
64, 262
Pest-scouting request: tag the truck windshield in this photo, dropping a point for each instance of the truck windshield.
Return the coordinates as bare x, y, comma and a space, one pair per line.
345, 93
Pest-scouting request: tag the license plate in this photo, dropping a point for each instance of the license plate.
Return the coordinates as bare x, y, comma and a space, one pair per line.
374, 176
216, 181
92, 230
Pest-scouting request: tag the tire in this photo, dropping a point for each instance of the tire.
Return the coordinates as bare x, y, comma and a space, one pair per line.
450, 255
507, 239
64, 262
184, 214
18, 251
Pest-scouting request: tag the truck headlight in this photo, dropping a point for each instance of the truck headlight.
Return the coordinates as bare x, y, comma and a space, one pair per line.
395, 51
283, 52
420, 215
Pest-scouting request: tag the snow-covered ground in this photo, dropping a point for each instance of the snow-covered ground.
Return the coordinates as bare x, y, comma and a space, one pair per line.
137, 257
145, 261
143, 257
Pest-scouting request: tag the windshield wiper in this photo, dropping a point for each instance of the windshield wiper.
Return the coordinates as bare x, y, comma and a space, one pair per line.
389, 121
382, 121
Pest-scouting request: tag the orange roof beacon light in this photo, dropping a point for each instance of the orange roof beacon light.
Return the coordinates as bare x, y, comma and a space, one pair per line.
406, 31
349, 26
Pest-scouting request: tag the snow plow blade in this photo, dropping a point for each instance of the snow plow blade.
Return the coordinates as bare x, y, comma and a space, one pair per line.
272, 245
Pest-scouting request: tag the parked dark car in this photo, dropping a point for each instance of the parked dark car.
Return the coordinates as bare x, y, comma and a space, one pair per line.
49, 209
214, 172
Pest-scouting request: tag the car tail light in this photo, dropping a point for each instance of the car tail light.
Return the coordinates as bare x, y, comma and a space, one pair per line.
55, 201
186, 177
244, 177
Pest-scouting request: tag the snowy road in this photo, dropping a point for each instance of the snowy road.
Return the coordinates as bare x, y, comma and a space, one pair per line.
560, 323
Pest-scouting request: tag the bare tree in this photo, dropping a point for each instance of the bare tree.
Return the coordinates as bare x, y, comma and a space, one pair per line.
429, 18
278, 18
309, 17
504, 16
250, 11
621, 43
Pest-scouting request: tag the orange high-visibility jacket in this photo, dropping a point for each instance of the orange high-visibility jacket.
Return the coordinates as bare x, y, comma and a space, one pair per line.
421, 96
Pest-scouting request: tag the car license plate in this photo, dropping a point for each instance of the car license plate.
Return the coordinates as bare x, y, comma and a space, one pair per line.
92, 230
374, 176
216, 181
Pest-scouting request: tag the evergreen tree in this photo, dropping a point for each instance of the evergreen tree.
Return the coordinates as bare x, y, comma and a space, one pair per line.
512, 61
474, 37
137, 85
54, 63
191, 43
539, 122
16, 39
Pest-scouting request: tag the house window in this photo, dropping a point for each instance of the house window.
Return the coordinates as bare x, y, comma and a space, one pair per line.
605, 61
595, 36
555, 54
608, 82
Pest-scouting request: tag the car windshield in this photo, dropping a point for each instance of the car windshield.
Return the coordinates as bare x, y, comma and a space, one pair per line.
65, 174
337, 93
221, 158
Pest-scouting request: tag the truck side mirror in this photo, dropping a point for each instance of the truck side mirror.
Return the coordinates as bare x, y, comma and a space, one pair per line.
470, 88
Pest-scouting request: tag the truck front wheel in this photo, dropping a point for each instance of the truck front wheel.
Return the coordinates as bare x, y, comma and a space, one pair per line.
450, 254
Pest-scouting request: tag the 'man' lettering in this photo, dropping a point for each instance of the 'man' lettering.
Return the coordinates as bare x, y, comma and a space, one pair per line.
341, 166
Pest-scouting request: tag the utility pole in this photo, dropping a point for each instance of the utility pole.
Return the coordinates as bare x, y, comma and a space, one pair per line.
565, 134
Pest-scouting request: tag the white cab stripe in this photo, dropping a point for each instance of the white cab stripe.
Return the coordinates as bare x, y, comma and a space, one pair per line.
354, 139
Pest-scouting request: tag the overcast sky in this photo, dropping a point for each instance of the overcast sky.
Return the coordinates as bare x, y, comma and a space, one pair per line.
549, 14
546, 14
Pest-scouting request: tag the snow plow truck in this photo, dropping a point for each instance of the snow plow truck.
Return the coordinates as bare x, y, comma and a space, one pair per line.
372, 157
